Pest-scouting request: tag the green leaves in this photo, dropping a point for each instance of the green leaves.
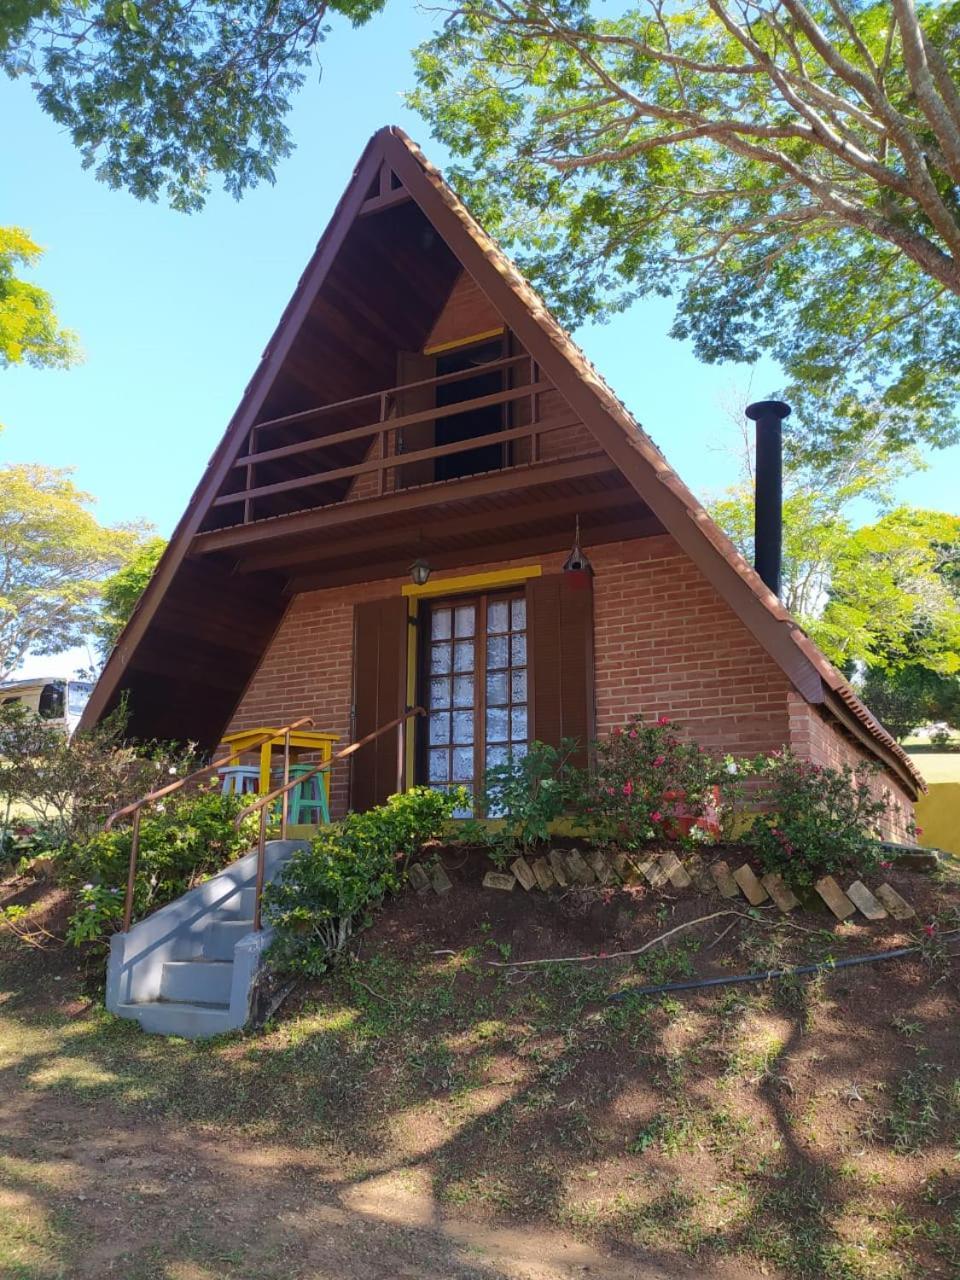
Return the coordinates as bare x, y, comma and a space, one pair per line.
163, 98
30, 332
525, 795
818, 820
54, 555
121, 592
348, 869
182, 840
798, 200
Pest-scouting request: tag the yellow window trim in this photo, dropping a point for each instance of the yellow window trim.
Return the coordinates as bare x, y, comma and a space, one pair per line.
473, 582
463, 342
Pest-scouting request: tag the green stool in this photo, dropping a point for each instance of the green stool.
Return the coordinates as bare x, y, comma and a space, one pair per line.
309, 797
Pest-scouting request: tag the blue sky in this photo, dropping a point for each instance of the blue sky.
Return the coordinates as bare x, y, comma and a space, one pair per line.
173, 311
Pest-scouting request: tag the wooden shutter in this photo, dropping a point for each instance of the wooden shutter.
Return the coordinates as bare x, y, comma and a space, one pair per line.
379, 695
414, 367
560, 626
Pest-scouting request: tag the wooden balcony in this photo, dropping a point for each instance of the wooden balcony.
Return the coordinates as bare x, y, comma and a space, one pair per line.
326, 501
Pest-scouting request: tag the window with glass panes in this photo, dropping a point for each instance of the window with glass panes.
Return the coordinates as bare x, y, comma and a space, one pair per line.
475, 673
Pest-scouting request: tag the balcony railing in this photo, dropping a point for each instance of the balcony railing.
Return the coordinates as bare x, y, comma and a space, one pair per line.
386, 432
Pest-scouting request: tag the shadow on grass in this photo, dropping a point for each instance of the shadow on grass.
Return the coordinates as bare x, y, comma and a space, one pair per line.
744, 1128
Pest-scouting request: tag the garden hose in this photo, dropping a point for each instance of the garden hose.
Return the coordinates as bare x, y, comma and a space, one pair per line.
768, 975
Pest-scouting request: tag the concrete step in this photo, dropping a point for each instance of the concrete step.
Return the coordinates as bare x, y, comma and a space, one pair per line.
178, 1018
221, 935
196, 981
239, 906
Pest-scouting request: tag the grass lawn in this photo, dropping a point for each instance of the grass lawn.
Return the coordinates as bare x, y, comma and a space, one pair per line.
938, 766
423, 1113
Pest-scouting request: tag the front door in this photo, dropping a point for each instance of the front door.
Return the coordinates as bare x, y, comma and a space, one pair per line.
474, 682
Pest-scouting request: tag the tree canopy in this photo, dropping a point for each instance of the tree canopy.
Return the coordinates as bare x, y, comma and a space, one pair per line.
120, 593
881, 600
166, 96
894, 597
54, 556
789, 171
29, 330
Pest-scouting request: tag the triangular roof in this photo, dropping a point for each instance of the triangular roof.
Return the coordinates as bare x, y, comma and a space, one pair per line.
390, 152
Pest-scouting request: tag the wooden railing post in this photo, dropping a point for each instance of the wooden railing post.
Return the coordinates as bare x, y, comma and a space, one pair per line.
534, 413
261, 858
286, 779
131, 872
382, 445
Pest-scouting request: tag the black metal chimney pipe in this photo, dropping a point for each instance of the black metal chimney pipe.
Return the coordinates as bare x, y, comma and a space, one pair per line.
768, 502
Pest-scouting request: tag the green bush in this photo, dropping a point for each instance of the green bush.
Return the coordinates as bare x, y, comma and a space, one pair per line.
70, 786
182, 840
648, 783
818, 820
527, 793
349, 868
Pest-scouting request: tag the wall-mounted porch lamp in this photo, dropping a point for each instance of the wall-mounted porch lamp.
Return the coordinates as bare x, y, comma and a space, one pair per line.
420, 572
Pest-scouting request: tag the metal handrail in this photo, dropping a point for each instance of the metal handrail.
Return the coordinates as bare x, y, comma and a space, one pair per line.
137, 806
263, 803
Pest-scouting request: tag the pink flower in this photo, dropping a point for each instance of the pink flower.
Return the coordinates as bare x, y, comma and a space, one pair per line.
886, 865
660, 760
929, 930
633, 733
918, 831
628, 788
656, 816
663, 720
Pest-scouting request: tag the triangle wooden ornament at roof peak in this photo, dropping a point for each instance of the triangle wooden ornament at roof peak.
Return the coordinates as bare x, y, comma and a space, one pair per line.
392, 171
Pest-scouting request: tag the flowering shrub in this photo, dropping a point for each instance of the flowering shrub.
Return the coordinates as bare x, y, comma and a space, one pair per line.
350, 867
819, 820
648, 783
181, 840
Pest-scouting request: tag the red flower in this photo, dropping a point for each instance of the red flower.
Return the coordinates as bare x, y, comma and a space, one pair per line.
628, 788
918, 831
656, 816
929, 930
663, 720
660, 760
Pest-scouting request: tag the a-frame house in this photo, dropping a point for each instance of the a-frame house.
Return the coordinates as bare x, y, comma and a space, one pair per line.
417, 402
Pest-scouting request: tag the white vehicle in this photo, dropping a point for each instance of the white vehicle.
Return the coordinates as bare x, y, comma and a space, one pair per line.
59, 700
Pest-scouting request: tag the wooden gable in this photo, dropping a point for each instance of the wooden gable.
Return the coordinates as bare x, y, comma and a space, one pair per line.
401, 265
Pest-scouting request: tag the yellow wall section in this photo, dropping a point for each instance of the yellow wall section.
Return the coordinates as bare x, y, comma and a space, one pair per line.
938, 816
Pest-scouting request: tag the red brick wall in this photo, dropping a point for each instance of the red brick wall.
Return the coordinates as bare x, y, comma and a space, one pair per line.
813, 737
664, 640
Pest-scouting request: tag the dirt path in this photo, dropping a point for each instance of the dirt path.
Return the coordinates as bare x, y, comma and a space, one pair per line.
99, 1194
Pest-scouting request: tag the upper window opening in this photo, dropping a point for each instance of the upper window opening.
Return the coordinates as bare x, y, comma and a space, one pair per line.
473, 422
